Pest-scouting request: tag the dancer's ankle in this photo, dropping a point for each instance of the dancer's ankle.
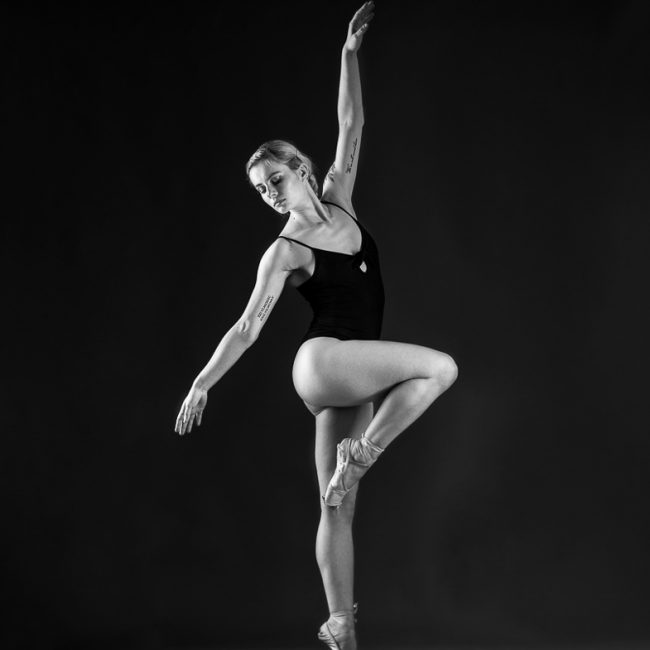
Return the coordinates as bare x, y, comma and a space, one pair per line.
369, 449
343, 620
373, 445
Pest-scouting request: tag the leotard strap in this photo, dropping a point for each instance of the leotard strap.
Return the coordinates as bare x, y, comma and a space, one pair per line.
340, 207
313, 248
296, 241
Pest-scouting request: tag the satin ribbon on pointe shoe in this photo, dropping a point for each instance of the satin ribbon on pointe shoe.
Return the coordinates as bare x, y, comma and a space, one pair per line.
353, 459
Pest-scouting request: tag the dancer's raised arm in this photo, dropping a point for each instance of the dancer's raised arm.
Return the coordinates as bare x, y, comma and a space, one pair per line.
339, 182
274, 268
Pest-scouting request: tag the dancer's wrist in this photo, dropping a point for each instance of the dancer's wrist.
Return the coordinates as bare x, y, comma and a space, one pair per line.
200, 383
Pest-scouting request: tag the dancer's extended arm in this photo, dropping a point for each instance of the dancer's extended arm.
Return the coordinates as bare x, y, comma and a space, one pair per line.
339, 182
274, 268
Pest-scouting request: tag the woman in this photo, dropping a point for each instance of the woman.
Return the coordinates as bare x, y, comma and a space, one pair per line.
341, 369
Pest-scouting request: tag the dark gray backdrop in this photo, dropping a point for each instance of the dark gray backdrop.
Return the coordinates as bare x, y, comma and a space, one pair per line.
503, 173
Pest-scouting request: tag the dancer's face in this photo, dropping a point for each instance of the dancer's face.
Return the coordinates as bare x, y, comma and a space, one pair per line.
281, 188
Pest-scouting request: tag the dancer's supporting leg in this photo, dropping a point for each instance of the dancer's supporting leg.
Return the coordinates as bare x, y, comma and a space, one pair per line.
334, 545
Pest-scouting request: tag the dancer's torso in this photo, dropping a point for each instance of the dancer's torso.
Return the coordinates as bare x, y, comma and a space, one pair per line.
345, 291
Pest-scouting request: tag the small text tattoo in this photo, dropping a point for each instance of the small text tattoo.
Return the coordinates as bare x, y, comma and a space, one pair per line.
348, 169
330, 173
261, 314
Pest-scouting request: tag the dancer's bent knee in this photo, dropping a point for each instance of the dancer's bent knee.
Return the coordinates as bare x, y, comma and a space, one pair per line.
443, 369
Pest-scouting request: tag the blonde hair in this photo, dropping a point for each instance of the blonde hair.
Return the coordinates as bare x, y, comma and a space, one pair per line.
284, 152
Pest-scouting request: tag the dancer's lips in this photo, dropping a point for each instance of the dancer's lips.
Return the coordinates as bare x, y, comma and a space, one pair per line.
278, 202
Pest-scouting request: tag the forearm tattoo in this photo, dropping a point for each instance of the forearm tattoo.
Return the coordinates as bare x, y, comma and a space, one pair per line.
348, 169
261, 314
330, 173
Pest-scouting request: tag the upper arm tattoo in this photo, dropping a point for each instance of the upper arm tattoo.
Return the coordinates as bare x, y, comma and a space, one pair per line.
348, 169
261, 314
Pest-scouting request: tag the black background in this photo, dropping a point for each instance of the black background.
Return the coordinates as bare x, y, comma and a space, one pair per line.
504, 174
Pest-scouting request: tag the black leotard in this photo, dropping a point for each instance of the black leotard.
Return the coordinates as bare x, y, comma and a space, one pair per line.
348, 303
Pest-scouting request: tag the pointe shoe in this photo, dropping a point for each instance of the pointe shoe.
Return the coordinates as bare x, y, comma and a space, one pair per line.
342, 640
354, 458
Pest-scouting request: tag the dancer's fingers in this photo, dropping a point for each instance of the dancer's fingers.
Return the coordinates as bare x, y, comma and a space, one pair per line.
361, 16
365, 7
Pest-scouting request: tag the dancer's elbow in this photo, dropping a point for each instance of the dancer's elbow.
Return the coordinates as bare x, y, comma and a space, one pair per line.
246, 331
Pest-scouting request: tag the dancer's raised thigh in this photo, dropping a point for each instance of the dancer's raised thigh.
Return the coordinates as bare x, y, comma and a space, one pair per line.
347, 373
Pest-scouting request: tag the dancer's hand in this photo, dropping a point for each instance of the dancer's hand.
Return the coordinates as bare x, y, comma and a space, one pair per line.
359, 26
192, 409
